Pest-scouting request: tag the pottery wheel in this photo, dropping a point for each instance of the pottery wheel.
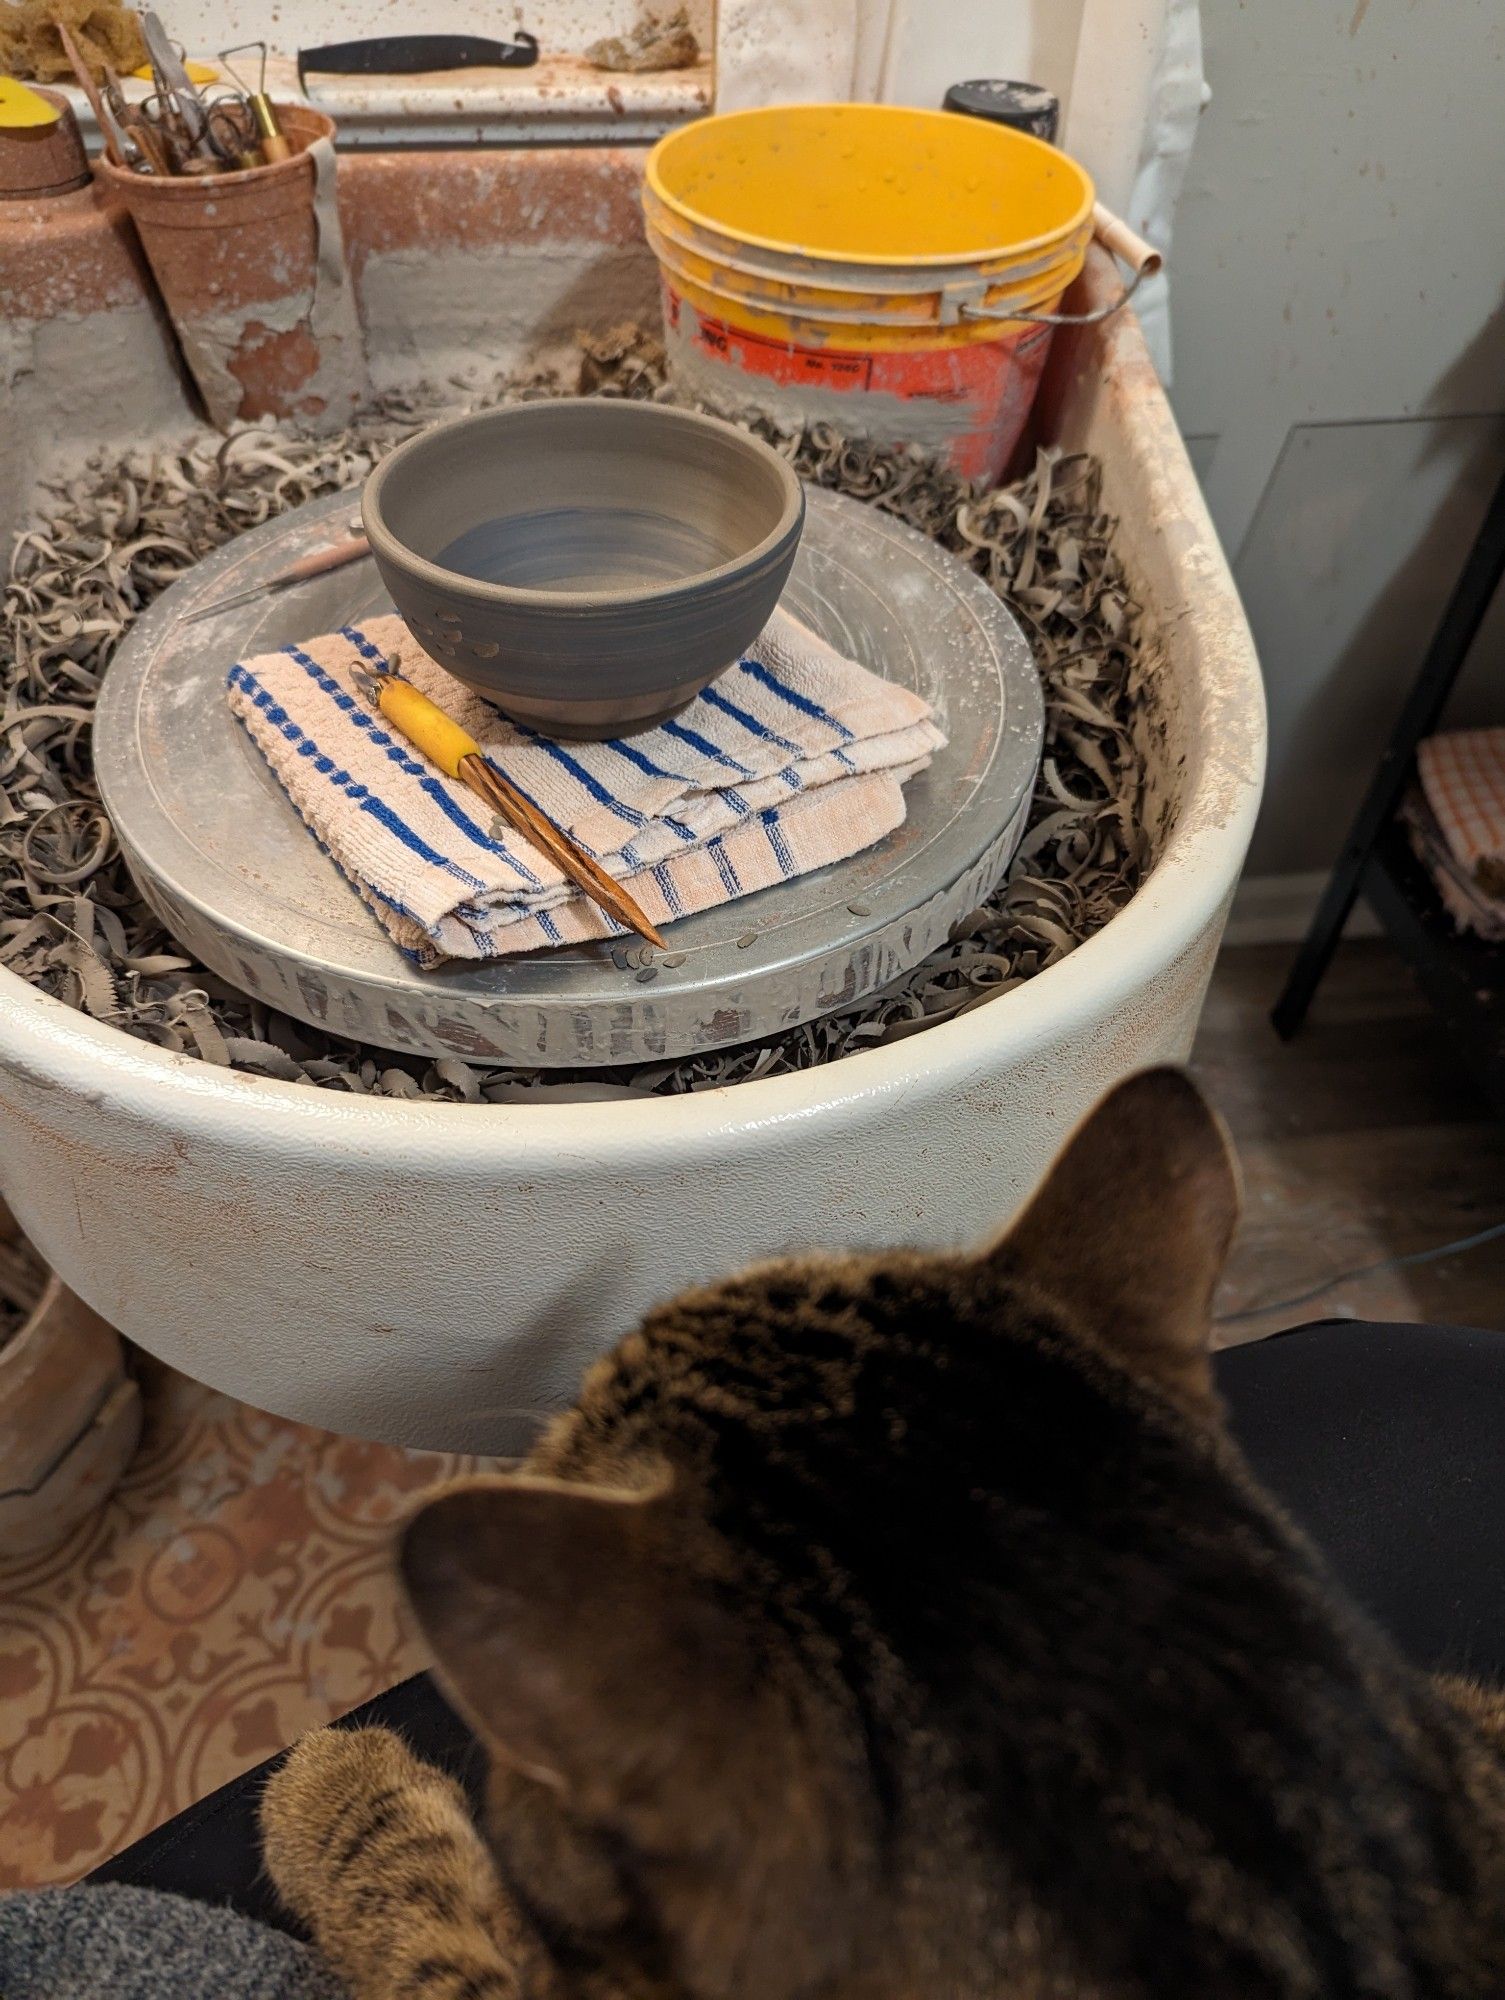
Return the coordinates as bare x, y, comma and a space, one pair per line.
225, 862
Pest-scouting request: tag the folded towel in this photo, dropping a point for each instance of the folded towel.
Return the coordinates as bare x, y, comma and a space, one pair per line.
794, 758
1458, 890
1463, 776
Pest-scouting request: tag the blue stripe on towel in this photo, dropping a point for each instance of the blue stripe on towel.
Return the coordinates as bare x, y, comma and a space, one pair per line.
365, 890
794, 698
402, 759
750, 723
582, 777
382, 813
365, 648
776, 840
646, 765
665, 882
706, 748
724, 866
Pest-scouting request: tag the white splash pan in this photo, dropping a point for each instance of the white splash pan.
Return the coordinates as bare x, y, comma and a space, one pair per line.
440, 1274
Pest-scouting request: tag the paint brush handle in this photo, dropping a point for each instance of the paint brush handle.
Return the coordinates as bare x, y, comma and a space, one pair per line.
458, 755
334, 555
572, 861
350, 548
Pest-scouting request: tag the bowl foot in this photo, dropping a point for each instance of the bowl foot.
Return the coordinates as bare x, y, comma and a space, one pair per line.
594, 721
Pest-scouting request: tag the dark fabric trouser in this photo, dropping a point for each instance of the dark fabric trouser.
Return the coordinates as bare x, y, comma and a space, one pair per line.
1387, 1443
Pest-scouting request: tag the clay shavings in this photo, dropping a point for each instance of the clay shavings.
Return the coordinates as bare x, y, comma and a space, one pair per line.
72, 923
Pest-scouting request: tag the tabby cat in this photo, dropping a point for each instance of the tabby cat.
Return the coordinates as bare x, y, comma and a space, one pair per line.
904, 1625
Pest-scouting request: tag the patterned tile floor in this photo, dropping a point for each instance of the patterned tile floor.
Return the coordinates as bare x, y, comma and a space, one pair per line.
234, 1592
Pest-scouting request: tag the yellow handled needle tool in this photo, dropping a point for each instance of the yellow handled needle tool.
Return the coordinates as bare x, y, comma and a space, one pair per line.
458, 755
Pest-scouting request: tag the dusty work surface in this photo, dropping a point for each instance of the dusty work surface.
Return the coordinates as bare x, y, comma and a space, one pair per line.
71, 921
236, 1590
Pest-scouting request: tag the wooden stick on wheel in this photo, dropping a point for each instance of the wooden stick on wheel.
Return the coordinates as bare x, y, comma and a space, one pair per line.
457, 753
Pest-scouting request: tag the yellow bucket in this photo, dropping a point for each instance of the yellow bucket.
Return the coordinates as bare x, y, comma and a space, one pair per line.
878, 265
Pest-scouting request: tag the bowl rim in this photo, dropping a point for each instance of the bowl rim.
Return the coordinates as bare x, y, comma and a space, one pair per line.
387, 546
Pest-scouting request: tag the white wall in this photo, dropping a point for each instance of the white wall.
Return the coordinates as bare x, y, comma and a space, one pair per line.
1338, 297
912, 51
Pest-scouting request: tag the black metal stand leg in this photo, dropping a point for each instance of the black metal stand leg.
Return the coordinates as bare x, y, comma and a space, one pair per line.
1440, 669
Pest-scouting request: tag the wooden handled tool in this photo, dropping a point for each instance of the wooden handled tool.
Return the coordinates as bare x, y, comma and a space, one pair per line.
458, 755
119, 144
349, 549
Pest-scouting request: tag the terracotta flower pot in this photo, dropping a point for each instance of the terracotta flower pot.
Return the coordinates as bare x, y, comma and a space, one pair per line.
70, 1417
251, 266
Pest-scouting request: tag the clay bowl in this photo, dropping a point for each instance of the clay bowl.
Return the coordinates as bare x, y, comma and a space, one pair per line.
587, 565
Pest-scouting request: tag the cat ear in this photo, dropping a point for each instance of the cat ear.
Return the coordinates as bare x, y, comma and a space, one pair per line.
580, 1631
570, 1635
1131, 1227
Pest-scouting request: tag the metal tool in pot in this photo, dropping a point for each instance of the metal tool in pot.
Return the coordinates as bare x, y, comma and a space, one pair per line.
181, 113
268, 137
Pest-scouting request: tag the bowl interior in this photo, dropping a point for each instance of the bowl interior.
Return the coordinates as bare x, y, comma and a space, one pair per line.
584, 499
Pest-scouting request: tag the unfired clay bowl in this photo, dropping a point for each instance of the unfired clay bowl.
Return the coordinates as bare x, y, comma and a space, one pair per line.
586, 565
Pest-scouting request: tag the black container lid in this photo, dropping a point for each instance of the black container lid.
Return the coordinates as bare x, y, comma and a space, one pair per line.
1025, 106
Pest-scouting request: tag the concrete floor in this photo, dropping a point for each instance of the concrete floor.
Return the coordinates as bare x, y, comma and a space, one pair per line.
236, 1591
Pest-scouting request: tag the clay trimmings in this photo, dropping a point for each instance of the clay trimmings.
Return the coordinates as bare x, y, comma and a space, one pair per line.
72, 923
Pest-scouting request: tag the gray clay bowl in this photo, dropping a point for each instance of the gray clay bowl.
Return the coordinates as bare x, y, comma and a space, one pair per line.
587, 565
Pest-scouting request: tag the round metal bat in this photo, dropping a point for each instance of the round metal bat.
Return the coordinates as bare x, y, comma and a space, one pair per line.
227, 864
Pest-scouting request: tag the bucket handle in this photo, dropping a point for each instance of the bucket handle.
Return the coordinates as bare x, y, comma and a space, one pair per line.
1115, 235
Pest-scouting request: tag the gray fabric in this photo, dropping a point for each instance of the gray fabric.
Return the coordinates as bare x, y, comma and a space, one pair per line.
113, 1943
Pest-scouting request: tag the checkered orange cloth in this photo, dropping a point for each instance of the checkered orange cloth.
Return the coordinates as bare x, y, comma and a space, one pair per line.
1463, 777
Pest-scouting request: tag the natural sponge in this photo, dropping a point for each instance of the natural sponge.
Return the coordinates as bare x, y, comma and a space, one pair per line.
30, 46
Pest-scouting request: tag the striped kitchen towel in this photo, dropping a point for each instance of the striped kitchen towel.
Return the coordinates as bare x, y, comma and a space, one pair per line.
794, 758
1463, 776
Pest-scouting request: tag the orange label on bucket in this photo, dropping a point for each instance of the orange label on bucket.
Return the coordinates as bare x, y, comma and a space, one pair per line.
988, 386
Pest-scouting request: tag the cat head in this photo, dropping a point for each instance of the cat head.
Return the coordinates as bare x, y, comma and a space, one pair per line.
751, 1635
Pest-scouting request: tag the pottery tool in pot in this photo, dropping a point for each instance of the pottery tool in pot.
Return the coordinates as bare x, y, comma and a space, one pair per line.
458, 755
271, 140
177, 95
350, 548
135, 119
120, 144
